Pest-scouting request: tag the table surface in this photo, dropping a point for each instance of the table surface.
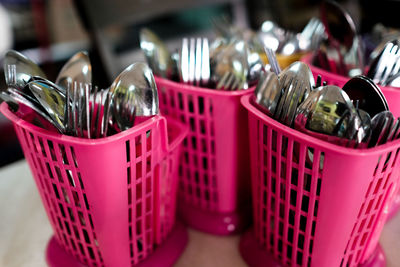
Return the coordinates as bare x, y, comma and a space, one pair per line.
24, 230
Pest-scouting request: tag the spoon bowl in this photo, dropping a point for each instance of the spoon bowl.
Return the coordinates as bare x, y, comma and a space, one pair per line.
52, 100
338, 23
296, 81
134, 93
341, 31
77, 69
156, 52
268, 92
369, 96
326, 110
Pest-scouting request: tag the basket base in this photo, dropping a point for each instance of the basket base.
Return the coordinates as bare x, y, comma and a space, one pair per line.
255, 256
216, 223
165, 254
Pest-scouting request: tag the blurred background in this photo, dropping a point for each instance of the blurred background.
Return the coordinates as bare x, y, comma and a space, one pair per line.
50, 32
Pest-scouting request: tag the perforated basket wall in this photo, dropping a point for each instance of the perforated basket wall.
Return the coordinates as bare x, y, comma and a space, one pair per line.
110, 201
214, 169
315, 203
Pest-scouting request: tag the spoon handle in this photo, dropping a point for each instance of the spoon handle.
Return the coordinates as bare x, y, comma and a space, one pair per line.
272, 60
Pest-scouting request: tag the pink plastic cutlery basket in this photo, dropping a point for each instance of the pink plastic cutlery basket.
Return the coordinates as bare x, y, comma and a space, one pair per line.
110, 201
214, 186
315, 203
392, 96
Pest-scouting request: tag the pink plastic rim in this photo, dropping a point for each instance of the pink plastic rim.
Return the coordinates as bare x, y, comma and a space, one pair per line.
110, 201
392, 95
214, 166
256, 256
315, 202
166, 254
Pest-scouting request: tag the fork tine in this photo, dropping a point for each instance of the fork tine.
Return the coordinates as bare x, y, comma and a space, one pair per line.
235, 83
106, 114
9, 75
81, 108
74, 109
192, 60
380, 65
67, 118
205, 63
12, 75
99, 106
232, 82
390, 63
396, 65
386, 63
87, 110
221, 83
93, 109
198, 51
229, 82
184, 61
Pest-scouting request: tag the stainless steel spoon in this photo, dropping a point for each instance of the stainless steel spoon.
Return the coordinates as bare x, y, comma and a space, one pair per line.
134, 90
77, 69
381, 125
326, 110
156, 52
341, 31
16, 99
296, 81
52, 101
272, 36
268, 92
369, 96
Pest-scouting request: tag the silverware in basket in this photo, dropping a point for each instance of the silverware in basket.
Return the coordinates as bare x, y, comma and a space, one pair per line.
72, 104
356, 116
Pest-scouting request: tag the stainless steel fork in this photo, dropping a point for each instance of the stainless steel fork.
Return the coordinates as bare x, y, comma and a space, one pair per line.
392, 66
79, 110
387, 63
230, 82
195, 61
